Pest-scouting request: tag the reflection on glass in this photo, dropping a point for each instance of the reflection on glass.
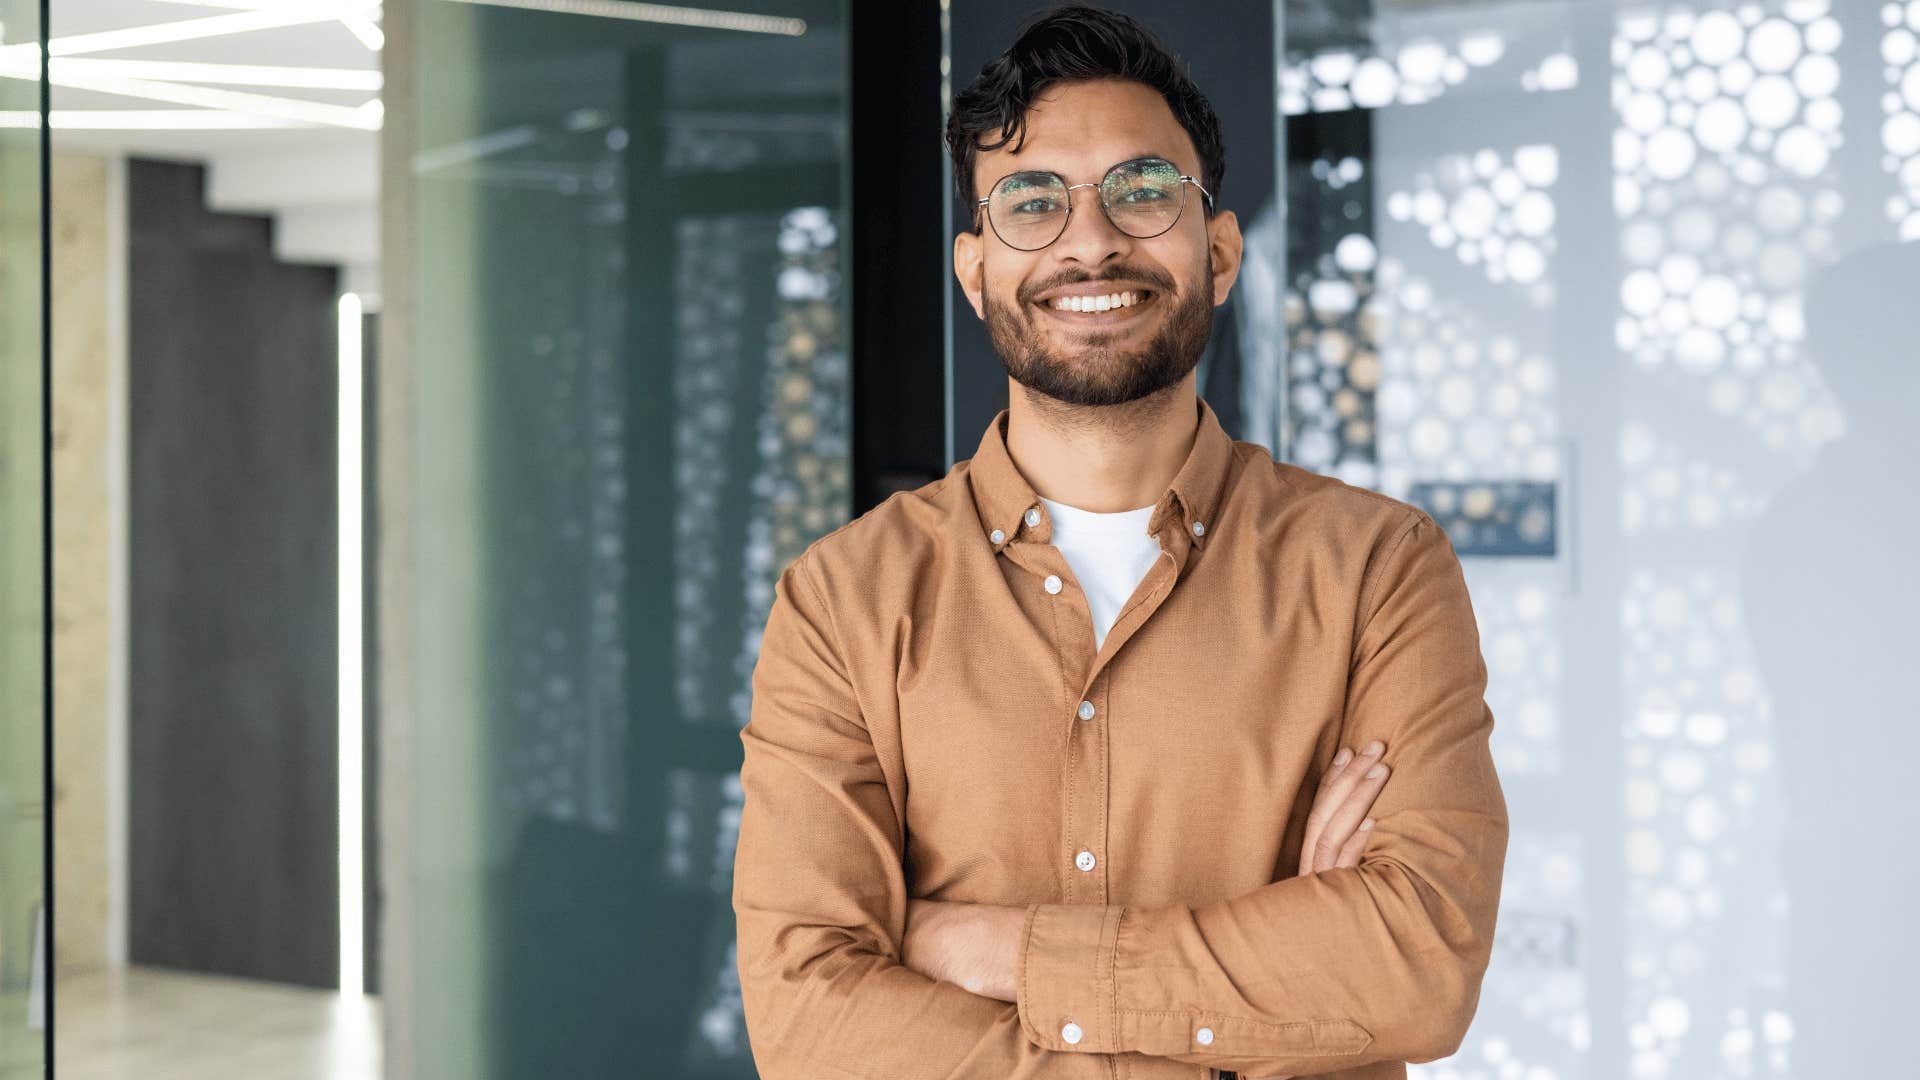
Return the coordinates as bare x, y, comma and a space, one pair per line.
631, 412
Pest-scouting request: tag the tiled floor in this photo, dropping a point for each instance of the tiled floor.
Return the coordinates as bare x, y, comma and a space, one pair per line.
154, 1024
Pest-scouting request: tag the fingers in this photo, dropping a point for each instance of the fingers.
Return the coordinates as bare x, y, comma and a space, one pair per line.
1368, 775
1350, 854
1345, 797
1325, 799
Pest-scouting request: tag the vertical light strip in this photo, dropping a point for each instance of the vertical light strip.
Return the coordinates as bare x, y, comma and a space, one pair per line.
352, 947
119, 562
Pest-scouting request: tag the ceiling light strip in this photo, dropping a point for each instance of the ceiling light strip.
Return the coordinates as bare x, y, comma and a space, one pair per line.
232, 74
364, 118
668, 14
185, 30
145, 120
366, 30
334, 9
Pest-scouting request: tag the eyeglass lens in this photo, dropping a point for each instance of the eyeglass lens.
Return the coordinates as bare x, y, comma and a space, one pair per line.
1028, 210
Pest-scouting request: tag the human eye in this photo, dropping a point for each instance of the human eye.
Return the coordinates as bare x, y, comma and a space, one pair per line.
1030, 196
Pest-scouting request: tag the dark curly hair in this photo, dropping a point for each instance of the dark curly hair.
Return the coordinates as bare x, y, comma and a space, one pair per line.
1068, 44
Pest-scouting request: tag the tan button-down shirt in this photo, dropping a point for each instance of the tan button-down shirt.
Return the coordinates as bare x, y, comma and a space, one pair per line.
930, 719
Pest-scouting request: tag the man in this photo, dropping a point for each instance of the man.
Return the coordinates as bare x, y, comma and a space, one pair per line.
1056, 766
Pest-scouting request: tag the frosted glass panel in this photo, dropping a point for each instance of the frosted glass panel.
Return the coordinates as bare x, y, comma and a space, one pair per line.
1624, 294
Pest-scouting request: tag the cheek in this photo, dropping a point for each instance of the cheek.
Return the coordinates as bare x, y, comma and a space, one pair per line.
1001, 286
1186, 263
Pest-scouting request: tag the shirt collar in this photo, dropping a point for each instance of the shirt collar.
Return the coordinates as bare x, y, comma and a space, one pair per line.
1003, 497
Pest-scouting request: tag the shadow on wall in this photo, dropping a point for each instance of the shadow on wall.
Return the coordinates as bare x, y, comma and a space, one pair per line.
1831, 598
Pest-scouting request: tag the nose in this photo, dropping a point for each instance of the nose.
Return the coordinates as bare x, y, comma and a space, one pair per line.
1089, 237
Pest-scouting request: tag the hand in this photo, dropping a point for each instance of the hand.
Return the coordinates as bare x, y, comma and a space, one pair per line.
974, 946
1337, 826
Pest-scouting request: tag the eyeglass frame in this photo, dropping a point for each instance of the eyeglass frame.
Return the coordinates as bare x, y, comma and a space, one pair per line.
1184, 181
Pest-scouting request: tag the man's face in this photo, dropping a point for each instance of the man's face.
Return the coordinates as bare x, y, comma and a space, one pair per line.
1079, 130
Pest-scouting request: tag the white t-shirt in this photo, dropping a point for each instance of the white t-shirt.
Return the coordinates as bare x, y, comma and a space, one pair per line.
1109, 554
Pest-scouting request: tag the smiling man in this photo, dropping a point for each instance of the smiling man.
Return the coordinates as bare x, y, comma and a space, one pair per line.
1058, 767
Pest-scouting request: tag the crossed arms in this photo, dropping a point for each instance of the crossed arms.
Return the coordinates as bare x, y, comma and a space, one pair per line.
1379, 961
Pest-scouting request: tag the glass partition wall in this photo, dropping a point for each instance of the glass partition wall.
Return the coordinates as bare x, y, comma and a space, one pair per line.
24, 936
629, 409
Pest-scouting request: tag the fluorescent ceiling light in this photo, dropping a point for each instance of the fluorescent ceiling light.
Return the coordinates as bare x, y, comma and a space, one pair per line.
130, 37
334, 8
144, 120
28, 54
364, 117
701, 18
235, 74
366, 30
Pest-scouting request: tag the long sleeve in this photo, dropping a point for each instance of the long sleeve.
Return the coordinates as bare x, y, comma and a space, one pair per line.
1340, 968
819, 891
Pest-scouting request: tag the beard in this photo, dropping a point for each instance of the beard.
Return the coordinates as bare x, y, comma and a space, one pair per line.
1099, 372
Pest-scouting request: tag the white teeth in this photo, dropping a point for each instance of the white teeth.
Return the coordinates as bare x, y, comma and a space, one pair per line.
1098, 303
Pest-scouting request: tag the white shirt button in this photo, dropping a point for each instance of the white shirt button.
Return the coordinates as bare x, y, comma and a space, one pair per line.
1071, 1033
1033, 516
996, 536
1052, 583
1084, 860
1200, 529
1204, 1036
1086, 710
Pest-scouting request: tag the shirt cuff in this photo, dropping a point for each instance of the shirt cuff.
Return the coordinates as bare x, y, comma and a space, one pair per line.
1066, 986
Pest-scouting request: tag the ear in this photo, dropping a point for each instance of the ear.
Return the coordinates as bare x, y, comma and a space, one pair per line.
969, 266
1224, 243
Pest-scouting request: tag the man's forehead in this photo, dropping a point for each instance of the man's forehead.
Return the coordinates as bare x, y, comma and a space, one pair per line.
1087, 126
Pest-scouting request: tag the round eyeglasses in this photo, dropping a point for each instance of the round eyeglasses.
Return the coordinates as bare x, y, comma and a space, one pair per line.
1143, 198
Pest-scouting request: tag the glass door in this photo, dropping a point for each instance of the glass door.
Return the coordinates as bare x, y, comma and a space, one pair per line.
24, 974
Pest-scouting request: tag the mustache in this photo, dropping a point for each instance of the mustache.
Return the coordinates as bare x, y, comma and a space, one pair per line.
1158, 280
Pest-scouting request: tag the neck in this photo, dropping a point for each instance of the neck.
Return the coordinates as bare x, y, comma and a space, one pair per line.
1105, 459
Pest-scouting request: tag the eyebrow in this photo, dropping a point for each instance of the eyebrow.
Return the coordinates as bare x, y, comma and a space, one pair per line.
1056, 172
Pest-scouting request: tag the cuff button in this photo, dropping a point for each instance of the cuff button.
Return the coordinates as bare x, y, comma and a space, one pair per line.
1204, 1036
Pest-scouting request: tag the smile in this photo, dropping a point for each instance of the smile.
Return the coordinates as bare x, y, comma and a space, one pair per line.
1105, 307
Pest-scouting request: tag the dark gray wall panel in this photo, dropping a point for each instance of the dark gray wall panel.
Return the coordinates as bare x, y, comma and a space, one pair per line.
232, 411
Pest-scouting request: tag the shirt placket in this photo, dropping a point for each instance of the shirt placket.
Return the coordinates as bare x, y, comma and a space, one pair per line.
1086, 773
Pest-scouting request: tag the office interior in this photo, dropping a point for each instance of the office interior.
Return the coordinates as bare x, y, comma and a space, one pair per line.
406, 408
